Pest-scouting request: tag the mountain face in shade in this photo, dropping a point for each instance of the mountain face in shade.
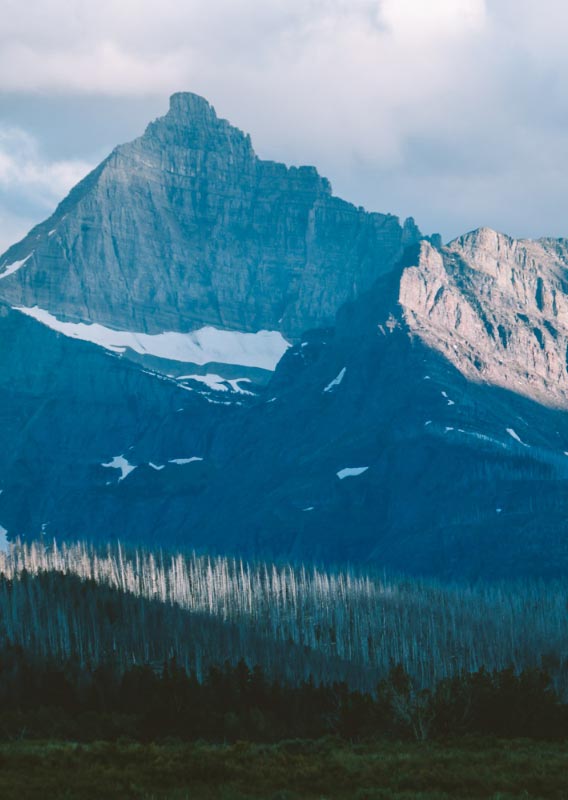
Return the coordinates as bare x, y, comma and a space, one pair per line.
211, 351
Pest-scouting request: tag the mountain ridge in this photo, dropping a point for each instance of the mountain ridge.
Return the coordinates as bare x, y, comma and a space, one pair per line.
496, 307
412, 413
227, 222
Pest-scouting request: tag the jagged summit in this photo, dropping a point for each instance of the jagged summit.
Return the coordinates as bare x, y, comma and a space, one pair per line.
188, 105
191, 112
185, 227
191, 123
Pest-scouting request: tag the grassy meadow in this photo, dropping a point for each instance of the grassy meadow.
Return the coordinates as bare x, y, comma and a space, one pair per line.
293, 770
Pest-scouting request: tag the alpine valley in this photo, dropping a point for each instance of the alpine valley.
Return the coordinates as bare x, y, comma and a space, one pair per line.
202, 350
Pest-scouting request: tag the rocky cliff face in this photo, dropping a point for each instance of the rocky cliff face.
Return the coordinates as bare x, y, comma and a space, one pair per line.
497, 309
185, 227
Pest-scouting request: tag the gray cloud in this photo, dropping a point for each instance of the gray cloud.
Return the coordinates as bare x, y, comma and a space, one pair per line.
30, 185
451, 110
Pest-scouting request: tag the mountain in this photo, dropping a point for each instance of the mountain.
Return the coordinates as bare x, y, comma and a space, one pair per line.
212, 351
497, 309
186, 229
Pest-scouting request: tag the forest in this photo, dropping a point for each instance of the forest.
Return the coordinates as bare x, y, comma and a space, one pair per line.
142, 607
43, 699
132, 674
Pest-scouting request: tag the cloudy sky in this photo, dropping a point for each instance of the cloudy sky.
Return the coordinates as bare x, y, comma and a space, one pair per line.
452, 111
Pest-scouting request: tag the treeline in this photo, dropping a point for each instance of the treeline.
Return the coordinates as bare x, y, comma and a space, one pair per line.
41, 699
61, 617
80, 660
333, 624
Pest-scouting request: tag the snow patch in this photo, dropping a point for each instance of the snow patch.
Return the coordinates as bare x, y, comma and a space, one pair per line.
219, 384
483, 438
514, 435
210, 399
184, 460
234, 383
215, 382
336, 381
157, 467
262, 350
14, 267
309, 508
351, 472
121, 463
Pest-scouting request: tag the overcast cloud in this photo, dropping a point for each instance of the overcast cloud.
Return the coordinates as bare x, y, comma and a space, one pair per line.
453, 111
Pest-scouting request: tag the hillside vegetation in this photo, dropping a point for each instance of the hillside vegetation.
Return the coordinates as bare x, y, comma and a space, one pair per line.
295, 622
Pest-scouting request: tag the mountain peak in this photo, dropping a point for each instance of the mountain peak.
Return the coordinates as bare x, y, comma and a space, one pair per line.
186, 227
496, 308
482, 237
192, 122
187, 105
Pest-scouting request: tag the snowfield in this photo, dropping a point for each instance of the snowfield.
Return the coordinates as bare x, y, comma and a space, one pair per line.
263, 349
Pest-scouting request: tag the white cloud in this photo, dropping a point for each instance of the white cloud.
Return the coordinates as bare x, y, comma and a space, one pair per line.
30, 185
23, 169
434, 19
142, 46
106, 67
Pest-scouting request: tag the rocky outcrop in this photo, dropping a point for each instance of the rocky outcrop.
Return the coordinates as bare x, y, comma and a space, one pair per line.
185, 227
497, 309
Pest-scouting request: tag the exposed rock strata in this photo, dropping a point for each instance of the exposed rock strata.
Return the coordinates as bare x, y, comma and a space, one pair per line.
497, 308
